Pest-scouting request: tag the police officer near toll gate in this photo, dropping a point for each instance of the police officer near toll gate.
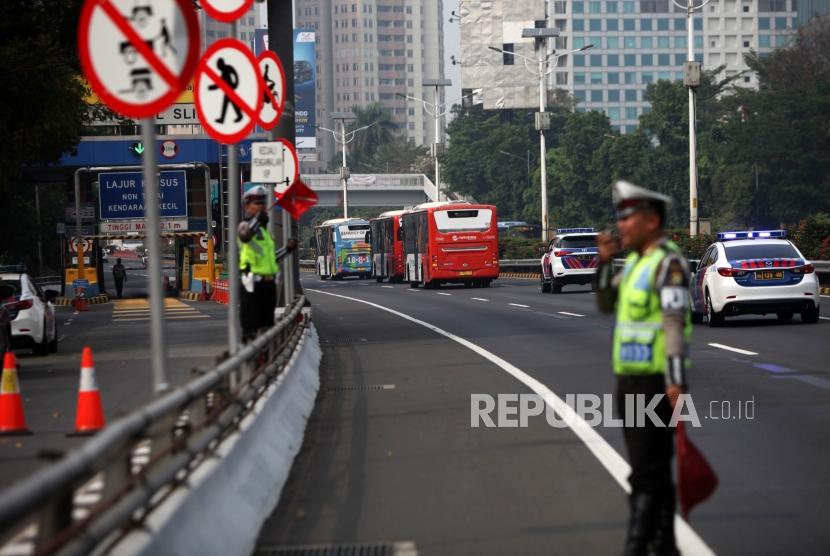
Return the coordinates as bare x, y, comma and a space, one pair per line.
258, 265
651, 333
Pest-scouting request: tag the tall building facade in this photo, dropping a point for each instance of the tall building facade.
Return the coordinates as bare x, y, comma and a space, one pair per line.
213, 30
374, 51
635, 43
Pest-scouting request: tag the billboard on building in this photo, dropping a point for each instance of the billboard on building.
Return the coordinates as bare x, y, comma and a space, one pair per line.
305, 77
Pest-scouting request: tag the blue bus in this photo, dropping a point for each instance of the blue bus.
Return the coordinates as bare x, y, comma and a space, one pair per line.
342, 248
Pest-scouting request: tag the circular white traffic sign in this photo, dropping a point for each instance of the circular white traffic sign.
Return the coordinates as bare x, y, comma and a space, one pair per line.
228, 90
203, 241
290, 167
138, 55
273, 79
73, 245
226, 10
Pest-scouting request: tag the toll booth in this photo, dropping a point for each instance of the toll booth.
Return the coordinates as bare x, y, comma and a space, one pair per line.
111, 201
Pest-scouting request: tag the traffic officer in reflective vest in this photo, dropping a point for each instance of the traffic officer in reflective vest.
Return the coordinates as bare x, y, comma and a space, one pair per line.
653, 324
257, 264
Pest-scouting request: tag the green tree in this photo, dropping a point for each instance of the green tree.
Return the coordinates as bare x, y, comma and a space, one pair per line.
41, 116
475, 164
779, 134
379, 130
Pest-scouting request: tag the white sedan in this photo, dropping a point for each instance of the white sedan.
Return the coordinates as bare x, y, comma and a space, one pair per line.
33, 322
756, 272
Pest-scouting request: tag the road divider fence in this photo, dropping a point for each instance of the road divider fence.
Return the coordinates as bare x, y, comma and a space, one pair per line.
176, 434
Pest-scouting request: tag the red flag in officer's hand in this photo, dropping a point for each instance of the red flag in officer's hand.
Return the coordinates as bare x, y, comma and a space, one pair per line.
696, 480
297, 199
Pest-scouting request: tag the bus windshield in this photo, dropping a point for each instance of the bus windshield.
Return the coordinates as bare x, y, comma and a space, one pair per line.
463, 220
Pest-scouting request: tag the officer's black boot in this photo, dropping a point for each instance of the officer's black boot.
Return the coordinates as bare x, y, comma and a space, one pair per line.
640, 524
664, 543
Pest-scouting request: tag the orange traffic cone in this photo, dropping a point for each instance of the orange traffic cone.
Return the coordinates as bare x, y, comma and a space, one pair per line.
12, 420
89, 416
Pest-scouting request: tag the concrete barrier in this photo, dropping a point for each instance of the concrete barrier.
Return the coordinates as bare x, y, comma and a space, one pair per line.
221, 507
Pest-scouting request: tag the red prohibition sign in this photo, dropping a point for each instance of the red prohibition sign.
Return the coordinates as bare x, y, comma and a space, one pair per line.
204, 71
279, 103
290, 148
217, 9
175, 83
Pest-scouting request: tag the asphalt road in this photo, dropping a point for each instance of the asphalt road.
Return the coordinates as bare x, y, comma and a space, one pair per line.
118, 332
399, 461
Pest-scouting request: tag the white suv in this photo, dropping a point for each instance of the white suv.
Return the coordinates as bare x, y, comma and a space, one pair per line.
33, 323
570, 258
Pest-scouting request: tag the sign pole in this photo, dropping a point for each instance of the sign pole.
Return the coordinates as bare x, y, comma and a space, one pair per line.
281, 41
79, 249
151, 214
234, 185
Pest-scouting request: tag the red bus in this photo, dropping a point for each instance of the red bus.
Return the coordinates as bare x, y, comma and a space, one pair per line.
387, 246
451, 242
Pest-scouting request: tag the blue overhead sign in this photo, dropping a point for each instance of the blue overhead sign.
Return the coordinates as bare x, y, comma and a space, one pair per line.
121, 195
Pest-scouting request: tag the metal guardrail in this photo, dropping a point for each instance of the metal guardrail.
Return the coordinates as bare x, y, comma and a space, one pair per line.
532, 265
182, 427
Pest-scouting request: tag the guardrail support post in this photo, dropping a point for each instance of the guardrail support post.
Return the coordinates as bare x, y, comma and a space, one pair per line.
54, 516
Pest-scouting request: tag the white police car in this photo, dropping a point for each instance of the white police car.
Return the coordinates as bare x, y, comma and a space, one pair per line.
754, 272
570, 258
33, 323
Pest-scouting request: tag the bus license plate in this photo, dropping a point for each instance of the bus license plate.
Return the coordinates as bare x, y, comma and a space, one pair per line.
358, 259
769, 275
466, 273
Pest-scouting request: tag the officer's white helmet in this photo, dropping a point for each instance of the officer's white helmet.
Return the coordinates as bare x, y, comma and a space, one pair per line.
254, 192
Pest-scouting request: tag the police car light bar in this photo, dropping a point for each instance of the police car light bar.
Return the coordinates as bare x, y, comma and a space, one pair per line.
764, 234
574, 230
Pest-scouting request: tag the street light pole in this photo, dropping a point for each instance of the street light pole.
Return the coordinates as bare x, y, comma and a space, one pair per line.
542, 123
436, 142
540, 49
692, 80
343, 175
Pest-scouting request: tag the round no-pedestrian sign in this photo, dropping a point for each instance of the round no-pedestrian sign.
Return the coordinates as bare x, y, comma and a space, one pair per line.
138, 55
228, 90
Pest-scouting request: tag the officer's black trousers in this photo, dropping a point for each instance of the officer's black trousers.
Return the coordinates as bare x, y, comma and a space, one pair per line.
119, 287
650, 449
256, 309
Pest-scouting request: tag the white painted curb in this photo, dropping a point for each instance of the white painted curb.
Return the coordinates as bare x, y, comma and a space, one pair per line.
227, 498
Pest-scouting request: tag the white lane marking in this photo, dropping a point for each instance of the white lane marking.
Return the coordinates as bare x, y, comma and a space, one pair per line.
479, 299
824, 318
443, 293
687, 539
390, 287
570, 314
736, 350
413, 290
825, 296
519, 305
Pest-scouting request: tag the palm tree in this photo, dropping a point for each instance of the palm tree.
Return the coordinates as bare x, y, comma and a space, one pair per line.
381, 130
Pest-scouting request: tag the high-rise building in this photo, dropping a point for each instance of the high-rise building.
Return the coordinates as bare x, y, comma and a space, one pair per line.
374, 51
213, 30
634, 43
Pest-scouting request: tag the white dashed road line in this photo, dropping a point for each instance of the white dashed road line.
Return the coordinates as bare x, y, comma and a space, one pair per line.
479, 299
390, 287
519, 305
824, 318
442, 293
736, 350
570, 314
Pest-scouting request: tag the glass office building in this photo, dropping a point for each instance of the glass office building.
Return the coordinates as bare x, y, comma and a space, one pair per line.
640, 42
